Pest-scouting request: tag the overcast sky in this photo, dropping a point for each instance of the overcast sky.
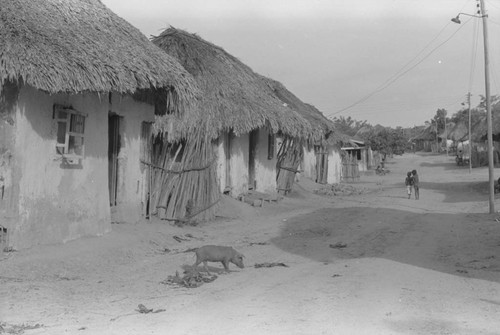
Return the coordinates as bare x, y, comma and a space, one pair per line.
390, 62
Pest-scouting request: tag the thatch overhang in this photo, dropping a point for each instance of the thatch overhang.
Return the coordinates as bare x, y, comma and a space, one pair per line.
73, 46
234, 97
323, 130
427, 134
479, 129
459, 132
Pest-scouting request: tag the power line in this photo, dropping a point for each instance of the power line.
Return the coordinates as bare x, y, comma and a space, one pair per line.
473, 54
391, 109
399, 74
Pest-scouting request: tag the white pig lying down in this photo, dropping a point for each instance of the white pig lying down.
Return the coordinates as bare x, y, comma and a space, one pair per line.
214, 253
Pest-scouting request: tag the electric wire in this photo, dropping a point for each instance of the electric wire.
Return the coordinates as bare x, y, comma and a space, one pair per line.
418, 54
400, 74
492, 60
473, 54
393, 109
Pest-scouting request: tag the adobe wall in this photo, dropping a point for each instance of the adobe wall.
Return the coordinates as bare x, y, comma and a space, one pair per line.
130, 193
239, 164
265, 168
58, 203
308, 164
334, 165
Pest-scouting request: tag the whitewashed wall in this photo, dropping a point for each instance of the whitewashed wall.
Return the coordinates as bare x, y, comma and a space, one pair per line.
334, 165
57, 203
308, 164
265, 168
130, 177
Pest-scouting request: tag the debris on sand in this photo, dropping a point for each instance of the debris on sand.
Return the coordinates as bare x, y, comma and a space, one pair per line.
339, 189
269, 265
186, 237
338, 245
189, 280
142, 309
258, 243
17, 329
180, 238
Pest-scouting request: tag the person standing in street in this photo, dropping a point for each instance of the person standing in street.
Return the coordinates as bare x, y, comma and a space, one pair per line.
409, 183
415, 184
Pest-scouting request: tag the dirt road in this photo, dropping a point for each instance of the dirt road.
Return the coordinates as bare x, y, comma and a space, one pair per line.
370, 262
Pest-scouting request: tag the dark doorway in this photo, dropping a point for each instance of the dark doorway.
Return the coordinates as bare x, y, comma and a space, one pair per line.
113, 151
321, 166
252, 153
227, 150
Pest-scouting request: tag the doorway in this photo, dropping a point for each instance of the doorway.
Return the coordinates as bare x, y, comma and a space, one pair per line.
113, 151
252, 153
227, 152
321, 166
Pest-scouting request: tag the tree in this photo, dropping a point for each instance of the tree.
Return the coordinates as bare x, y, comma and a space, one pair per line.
388, 141
440, 119
348, 126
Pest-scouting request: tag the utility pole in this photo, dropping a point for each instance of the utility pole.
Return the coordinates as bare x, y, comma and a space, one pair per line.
445, 134
491, 163
470, 134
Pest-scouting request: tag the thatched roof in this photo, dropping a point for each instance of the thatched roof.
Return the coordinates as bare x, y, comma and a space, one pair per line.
233, 96
459, 132
322, 128
80, 45
427, 134
479, 129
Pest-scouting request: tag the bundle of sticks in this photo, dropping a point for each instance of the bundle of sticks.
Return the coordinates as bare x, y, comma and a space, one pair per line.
290, 155
183, 179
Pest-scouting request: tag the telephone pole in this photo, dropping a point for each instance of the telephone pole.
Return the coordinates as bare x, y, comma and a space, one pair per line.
491, 163
470, 134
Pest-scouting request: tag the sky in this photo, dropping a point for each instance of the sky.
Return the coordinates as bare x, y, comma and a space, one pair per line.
389, 62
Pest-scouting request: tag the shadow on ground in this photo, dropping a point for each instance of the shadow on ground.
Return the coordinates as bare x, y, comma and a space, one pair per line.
454, 192
447, 165
433, 326
458, 244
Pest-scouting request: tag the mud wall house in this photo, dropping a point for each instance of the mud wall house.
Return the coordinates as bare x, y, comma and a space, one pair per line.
425, 140
479, 132
358, 153
321, 159
369, 158
237, 115
73, 98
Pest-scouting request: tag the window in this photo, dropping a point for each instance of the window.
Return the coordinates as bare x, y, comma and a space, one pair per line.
70, 134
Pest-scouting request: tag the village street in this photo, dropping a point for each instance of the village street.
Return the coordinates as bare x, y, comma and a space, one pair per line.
371, 262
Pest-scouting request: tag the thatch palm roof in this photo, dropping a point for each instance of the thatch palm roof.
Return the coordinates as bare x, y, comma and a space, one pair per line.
459, 131
233, 96
427, 134
322, 128
80, 45
479, 129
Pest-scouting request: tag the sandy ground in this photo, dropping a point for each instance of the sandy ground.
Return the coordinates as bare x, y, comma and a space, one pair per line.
428, 266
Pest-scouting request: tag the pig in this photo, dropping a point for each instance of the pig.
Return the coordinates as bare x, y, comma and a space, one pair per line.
214, 253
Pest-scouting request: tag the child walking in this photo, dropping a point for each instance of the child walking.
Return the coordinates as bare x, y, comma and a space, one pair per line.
409, 183
415, 184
